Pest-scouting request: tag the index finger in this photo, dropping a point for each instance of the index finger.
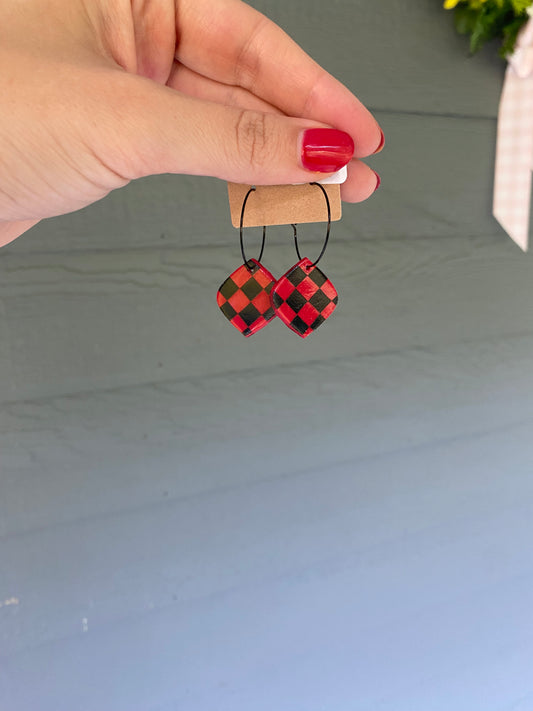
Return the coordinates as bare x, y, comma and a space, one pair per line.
233, 43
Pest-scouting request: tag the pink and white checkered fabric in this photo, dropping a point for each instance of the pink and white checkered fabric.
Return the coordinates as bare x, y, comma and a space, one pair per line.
514, 149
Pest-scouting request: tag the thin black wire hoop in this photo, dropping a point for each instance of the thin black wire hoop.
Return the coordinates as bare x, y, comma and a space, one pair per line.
241, 228
327, 231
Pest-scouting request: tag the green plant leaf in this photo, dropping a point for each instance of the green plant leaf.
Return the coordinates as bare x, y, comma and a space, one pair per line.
465, 19
510, 34
520, 6
484, 28
492, 19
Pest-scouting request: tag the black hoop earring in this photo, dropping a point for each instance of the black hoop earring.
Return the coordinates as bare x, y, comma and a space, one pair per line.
326, 240
304, 297
241, 226
244, 298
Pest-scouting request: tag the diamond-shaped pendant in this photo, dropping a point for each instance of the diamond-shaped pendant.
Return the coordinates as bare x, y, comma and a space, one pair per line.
304, 298
244, 298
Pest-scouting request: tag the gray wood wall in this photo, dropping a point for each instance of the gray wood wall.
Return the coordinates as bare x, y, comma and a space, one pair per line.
194, 521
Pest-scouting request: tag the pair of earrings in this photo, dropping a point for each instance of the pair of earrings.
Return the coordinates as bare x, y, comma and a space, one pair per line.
303, 298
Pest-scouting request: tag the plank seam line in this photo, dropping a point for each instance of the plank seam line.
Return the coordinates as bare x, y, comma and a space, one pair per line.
434, 114
474, 435
491, 237
249, 372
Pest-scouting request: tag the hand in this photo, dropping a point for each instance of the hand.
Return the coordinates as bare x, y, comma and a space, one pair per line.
96, 93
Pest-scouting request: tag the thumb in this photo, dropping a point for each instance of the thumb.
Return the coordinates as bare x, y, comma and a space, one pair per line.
169, 132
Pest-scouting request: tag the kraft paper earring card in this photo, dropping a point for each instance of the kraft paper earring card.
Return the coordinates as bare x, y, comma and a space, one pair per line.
286, 204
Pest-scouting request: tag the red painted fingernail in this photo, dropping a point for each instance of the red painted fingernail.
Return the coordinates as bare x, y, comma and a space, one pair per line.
378, 182
381, 143
326, 150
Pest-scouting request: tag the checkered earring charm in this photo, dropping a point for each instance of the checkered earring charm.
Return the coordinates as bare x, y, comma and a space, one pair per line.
244, 298
304, 297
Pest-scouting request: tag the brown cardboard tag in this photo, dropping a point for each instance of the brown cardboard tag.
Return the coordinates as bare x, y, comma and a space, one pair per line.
283, 204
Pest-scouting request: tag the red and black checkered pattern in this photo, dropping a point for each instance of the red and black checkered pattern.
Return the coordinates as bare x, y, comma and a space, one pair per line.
304, 298
244, 298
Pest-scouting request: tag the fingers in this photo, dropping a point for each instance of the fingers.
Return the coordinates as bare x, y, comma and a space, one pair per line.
188, 82
182, 134
362, 182
11, 230
248, 50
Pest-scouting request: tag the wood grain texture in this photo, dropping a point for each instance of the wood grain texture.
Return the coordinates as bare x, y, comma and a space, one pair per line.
191, 439
397, 512
127, 317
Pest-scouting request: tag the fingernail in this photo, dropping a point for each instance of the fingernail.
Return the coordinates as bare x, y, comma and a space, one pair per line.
326, 150
378, 183
381, 143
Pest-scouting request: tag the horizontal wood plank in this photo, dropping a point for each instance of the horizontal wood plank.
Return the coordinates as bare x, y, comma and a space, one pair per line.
425, 516
215, 434
78, 322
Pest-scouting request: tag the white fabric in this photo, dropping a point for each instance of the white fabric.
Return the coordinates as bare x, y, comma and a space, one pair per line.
514, 149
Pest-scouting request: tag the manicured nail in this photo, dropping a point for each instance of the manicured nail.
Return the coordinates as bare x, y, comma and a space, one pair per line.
381, 143
326, 150
378, 183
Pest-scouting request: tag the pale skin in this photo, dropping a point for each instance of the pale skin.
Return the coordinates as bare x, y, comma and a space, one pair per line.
96, 93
